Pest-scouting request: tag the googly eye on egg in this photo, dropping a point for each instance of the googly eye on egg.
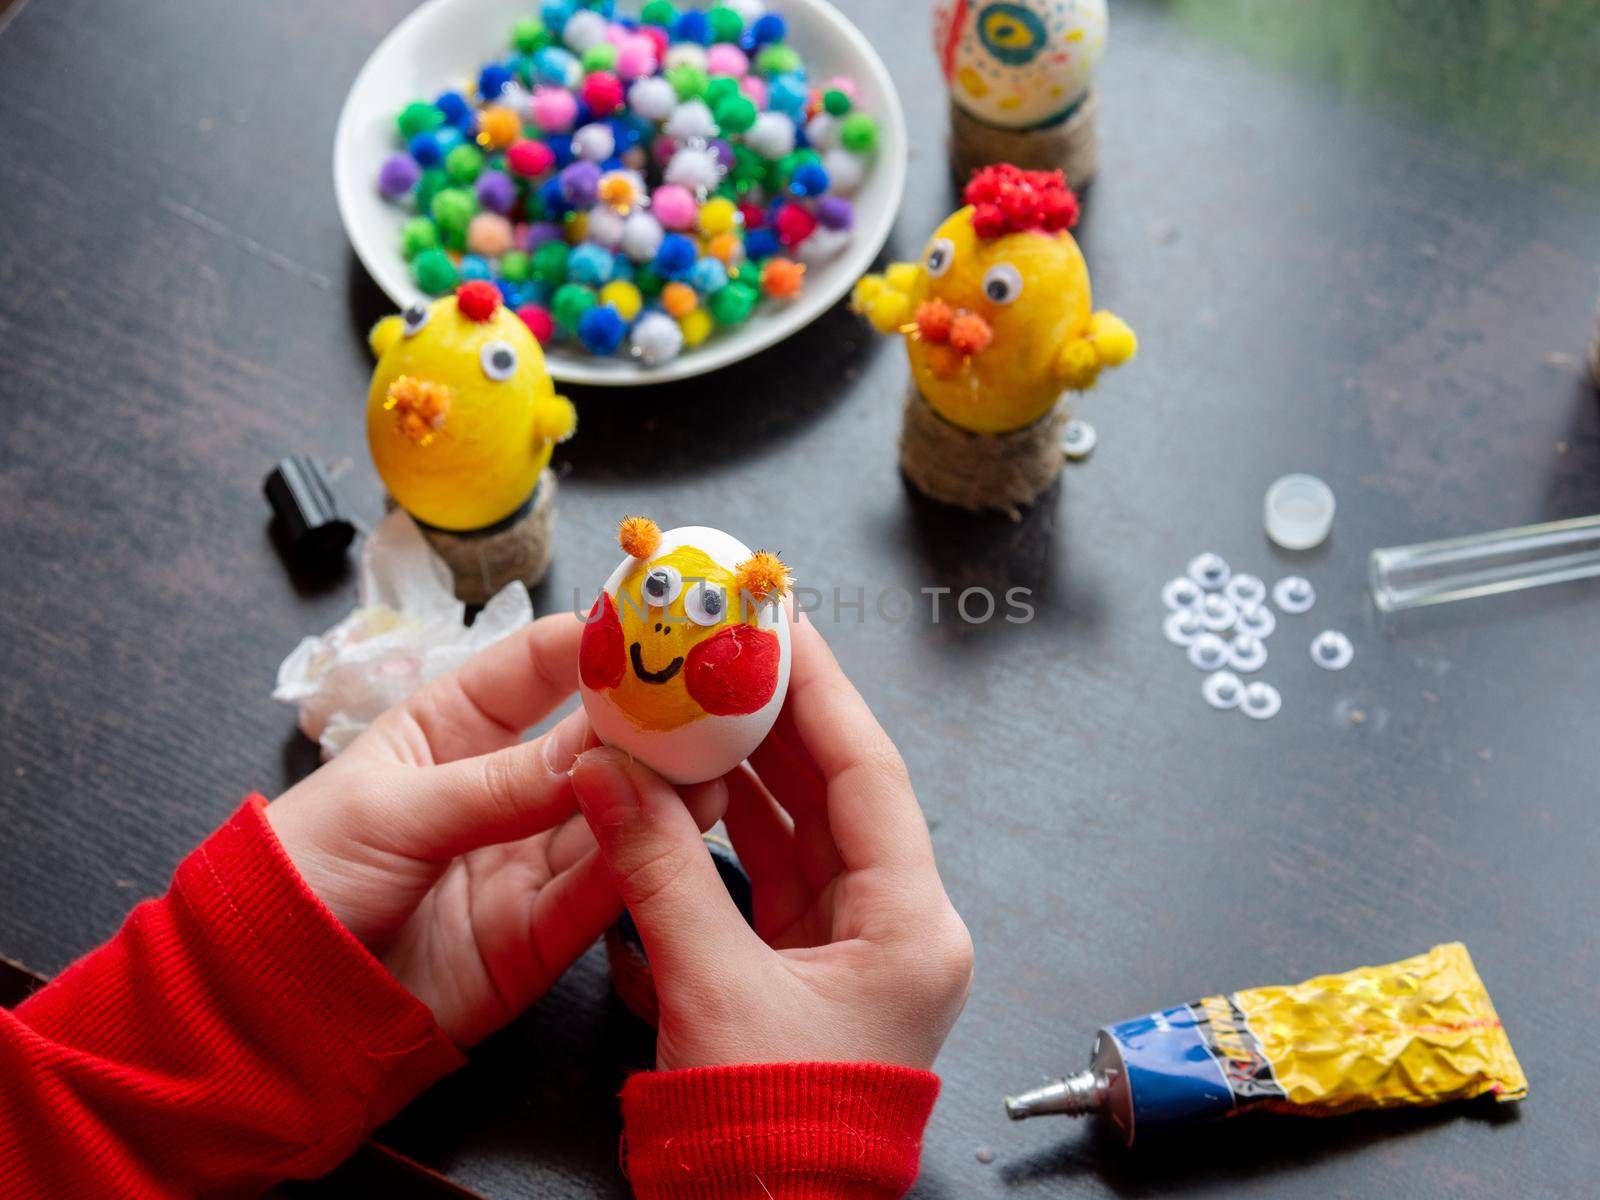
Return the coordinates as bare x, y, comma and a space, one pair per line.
1002, 283
499, 360
684, 659
415, 319
939, 257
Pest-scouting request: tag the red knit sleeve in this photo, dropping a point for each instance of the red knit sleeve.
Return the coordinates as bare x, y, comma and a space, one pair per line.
776, 1131
231, 1034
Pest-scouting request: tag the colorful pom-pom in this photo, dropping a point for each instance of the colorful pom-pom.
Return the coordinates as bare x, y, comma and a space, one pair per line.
398, 175
515, 266
762, 576
474, 266
583, 30
735, 114
550, 263
858, 133
782, 278
425, 149
496, 192
636, 58
727, 59
529, 35
419, 117
595, 141
528, 158
580, 183
691, 26
477, 299
696, 327
538, 321
452, 208
769, 29
809, 179
569, 304
624, 297
676, 256
498, 127
793, 224
679, 299
641, 236
417, 235
652, 98
489, 234
674, 206
602, 92
771, 135
601, 329
708, 275
970, 333
777, 60
590, 264
656, 339
463, 164
733, 304
434, 272
553, 109
556, 67
492, 80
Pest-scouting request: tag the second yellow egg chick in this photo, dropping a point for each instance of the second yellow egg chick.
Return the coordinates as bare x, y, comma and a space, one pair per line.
997, 315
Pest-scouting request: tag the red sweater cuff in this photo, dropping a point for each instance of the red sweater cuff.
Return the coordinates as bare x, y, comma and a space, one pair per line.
393, 1047
784, 1131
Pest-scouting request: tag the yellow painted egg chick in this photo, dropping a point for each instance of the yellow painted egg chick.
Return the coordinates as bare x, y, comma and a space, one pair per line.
462, 414
997, 316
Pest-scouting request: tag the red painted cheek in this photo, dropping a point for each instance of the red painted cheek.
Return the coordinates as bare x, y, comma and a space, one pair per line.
733, 672
601, 659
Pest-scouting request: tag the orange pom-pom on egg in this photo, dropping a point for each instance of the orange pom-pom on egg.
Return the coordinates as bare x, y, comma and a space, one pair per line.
639, 537
933, 320
763, 576
970, 334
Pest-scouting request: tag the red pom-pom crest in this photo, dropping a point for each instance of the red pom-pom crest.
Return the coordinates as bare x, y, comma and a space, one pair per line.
477, 299
1006, 199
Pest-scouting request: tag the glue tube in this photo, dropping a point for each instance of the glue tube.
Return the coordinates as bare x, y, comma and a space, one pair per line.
1421, 1031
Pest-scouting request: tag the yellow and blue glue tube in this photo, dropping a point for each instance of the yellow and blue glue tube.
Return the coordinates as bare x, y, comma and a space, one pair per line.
1421, 1031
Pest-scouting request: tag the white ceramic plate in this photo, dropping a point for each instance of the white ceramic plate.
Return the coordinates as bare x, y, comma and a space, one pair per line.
445, 42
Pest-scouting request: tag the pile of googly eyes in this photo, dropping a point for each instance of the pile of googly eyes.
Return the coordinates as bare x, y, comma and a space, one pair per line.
1223, 619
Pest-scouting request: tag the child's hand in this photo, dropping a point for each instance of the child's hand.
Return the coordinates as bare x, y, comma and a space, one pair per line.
452, 849
857, 953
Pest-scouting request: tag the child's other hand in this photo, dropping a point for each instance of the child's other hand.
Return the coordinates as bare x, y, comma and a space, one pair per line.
452, 849
857, 954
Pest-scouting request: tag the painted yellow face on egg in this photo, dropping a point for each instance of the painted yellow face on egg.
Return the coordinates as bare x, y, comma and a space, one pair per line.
461, 414
660, 637
1031, 289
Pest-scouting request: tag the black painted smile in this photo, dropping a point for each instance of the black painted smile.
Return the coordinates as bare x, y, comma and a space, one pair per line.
661, 676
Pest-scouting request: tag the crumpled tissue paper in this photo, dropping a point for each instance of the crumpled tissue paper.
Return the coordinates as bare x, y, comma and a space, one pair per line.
409, 628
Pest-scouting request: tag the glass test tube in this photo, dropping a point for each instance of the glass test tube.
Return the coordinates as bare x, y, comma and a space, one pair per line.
1506, 560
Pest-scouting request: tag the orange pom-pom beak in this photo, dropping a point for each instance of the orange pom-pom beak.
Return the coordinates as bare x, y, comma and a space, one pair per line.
970, 334
640, 537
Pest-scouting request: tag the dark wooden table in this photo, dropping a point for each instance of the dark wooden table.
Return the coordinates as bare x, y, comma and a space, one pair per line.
1356, 239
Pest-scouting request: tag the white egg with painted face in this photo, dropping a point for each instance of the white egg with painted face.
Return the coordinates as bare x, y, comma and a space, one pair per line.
1019, 64
684, 661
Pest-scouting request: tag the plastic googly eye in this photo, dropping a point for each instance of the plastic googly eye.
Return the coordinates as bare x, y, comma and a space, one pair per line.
1223, 689
1217, 613
1182, 627
1331, 650
1245, 590
1256, 620
1246, 653
1208, 652
1078, 439
1294, 594
1210, 571
1260, 701
1181, 593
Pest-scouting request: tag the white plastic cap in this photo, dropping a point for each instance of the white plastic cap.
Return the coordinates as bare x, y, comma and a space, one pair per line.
1299, 511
